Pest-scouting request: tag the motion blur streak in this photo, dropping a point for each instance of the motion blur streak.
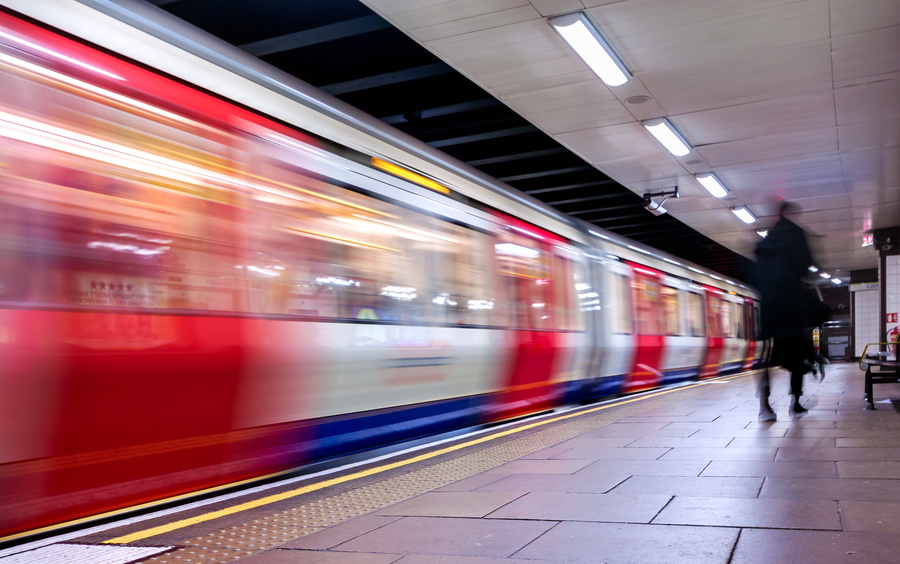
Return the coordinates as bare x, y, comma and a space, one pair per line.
193, 294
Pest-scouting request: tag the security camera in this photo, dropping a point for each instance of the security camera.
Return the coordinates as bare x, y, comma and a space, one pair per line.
654, 208
657, 208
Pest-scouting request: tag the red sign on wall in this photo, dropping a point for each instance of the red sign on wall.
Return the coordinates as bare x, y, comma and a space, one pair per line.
892, 318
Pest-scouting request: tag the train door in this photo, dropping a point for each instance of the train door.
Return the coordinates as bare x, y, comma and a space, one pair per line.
525, 266
715, 343
683, 349
648, 317
733, 332
615, 327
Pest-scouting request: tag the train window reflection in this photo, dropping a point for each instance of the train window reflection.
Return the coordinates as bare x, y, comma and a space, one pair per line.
620, 304
671, 311
694, 315
645, 290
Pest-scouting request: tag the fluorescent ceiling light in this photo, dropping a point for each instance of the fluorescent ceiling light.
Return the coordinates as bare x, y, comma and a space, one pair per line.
824, 275
836, 280
591, 47
813, 269
762, 232
744, 214
712, 185
668, 136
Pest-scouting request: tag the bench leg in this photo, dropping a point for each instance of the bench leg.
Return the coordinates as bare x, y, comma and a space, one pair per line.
870, 401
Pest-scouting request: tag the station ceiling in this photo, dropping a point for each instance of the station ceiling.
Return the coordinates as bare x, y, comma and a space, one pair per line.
790, 99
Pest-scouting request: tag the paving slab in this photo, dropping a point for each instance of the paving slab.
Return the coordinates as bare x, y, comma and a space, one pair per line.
772, 546
453, 504
690, 486
756, 513
496, 538
630, 543
554, 506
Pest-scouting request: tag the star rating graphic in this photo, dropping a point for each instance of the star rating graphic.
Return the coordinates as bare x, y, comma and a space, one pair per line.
113, 286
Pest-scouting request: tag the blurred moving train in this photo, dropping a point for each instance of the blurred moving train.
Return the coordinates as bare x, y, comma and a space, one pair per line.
194, 293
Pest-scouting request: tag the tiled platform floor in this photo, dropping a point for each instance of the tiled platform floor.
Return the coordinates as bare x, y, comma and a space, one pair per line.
699, 481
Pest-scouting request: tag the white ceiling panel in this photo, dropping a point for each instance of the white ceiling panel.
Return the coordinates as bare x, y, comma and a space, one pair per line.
793, 99
772, 147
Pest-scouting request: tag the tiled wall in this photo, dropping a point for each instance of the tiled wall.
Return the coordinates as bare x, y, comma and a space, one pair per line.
866, 318
891, 279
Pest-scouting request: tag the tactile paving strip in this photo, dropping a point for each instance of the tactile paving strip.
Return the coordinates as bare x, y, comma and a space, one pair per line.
307, 518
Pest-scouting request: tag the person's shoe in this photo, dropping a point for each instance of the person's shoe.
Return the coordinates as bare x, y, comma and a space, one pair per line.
796, 408
766, 414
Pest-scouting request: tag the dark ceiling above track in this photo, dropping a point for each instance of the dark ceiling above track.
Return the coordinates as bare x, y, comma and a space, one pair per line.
345, 49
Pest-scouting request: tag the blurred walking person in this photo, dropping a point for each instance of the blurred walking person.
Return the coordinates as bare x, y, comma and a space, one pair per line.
782, 260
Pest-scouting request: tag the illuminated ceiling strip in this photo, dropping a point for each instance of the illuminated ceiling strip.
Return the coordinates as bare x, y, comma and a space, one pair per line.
407, 174
586, 40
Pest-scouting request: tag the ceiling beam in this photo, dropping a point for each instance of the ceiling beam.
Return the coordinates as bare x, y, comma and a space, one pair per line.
314, 36
483, 136
543, 173
443, 111
387, 79
518, 156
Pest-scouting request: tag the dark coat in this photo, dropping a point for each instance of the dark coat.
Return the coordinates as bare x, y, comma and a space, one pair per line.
782, 260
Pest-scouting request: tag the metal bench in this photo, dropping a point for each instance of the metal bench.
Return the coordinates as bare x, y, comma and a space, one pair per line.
887, 368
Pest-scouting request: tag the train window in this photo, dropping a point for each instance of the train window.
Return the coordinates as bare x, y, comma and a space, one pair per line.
739, 321
619, 304
122, 210
525, 277
694, 317
585, 294
461, 276
714, 316
339, 253
671, 311
566, 278
645, 291
725, 318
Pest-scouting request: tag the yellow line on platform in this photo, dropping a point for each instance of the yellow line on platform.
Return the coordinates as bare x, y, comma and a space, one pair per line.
146, 533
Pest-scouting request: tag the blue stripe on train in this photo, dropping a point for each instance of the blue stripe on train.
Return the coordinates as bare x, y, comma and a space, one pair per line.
366, 431
680, 375
732, 367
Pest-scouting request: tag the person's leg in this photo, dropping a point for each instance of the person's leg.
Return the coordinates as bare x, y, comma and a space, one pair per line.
798, 369
763, 388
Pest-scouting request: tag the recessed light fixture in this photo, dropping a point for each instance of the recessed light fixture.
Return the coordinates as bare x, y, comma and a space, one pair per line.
762, 232
639, 99
744, 214
712, 184
586, 40
813, 269
666, 134
836, 280
824, 275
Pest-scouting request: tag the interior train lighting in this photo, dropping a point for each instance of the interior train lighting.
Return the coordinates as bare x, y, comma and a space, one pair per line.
813, 269
407, 174
593, 49
824, 275
37, 70
513, 250
712, 184
666, 134
744, 214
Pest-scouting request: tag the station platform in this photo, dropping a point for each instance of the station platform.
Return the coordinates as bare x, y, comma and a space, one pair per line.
681, 475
